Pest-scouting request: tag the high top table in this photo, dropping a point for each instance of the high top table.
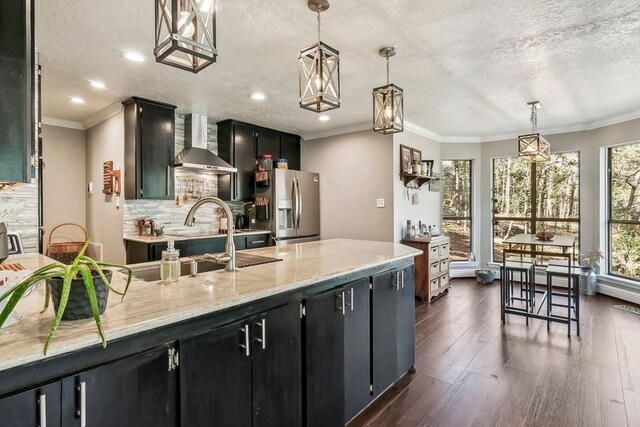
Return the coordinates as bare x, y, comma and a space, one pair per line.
530, 245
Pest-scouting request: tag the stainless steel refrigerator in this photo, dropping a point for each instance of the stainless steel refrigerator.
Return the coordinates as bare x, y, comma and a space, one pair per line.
288, 204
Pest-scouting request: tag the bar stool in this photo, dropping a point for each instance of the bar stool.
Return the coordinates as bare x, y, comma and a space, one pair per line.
559, 268
525, 267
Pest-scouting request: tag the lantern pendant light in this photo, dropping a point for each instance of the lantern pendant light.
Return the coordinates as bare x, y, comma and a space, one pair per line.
185, 33
388, 105
319, 71
534, 145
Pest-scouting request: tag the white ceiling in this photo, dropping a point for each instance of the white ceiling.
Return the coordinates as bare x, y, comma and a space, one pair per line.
467, 67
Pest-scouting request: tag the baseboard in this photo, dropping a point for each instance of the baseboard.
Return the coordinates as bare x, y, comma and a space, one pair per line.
623, 293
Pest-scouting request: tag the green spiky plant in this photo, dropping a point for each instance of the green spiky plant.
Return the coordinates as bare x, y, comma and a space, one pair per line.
82, 267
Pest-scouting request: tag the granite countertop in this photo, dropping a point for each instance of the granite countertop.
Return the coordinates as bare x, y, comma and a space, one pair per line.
177, 236
150, 305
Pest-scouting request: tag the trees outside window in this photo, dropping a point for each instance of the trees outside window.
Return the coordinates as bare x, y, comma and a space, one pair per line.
456, 207
529, 197
624, 211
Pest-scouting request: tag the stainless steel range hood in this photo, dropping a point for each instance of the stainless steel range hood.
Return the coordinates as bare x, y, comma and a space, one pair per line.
195, 155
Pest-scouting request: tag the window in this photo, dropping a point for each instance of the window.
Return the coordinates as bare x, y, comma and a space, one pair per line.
624, 211
456, 207
530, 197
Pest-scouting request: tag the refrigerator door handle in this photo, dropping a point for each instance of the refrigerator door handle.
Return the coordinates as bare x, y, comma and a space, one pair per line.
299, 202
294, 196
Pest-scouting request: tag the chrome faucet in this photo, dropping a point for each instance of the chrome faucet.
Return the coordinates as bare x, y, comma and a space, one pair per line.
229, 257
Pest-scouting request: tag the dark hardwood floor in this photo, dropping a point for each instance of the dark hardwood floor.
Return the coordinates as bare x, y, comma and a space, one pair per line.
472, 371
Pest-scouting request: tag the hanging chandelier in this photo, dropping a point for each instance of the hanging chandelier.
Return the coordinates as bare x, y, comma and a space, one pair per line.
319, 71
388, 105
185, 33
534, 145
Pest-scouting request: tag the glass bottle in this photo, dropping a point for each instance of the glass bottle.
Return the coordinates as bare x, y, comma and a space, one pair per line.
170, 263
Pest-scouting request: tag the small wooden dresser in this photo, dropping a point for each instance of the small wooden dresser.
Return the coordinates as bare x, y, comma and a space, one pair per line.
432, 267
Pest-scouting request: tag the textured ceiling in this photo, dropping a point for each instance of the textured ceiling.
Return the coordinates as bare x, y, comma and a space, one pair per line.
468, 67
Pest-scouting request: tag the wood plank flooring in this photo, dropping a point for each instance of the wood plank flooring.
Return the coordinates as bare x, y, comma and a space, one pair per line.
472, 371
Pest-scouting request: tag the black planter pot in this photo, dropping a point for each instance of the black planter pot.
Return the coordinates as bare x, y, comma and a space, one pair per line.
78, 305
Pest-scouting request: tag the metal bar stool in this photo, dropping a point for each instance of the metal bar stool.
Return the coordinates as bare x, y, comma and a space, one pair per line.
560, 268
526, 271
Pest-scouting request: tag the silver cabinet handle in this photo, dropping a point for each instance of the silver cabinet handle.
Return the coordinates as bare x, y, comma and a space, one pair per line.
255, 242
397, 283
43, 410
350, 303
82, 412
341, 306
402, 271
168, 179
246, 345
263, 327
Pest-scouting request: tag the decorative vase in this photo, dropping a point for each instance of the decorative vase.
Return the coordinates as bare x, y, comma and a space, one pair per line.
588, 281
78, 304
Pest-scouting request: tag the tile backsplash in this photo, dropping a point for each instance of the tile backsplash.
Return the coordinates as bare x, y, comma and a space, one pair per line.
19, 210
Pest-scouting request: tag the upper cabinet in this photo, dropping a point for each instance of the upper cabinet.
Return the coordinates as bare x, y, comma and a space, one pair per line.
241, 144
16, 89
149, 150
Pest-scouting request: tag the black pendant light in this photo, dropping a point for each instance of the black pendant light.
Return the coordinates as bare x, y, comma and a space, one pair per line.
388, 104
533, 145
185, 33
319, 71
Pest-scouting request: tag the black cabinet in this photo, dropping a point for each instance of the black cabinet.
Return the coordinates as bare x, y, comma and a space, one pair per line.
237, 146
16, 90
325, 357
215, 377
139, 390
244, 374
149, 149
290, 150
267, 142
406, 321
357, 348
36, 407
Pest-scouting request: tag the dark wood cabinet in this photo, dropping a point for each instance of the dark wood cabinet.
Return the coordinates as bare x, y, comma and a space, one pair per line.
384, 320
17, 130
149, 149
237, 146
248, 373
290, 150
138, 390
144, 252
267, 142
406, 321
36, 407
325, 357
357, 348
215, 377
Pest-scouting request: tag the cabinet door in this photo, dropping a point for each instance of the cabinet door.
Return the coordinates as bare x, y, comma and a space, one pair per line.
268, 142
384, 323
157, 152
277, 370
16, 91
406, 333
215, 378
244, 158
357, 348
324, 358
32, 408
290, 150
139, 390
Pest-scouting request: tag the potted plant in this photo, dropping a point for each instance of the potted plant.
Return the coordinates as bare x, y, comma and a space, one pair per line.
78, 291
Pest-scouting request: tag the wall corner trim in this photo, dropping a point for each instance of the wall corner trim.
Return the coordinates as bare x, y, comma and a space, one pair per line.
52, 121
103, 115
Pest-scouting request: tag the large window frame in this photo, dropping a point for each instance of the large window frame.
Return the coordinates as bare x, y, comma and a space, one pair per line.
612, 222
463, 218
533, 219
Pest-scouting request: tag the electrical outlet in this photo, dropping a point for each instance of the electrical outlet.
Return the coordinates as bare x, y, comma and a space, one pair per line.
117, 202
380, 203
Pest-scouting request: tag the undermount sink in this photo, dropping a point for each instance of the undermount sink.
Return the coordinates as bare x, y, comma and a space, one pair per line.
152, 273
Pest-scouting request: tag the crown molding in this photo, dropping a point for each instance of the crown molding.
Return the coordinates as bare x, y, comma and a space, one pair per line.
337, 131
51, 121
103, 115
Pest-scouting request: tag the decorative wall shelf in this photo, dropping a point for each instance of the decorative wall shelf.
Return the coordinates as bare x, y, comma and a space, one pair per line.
418, 180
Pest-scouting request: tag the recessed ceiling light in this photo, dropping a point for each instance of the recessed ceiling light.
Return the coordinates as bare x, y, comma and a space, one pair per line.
97, 84
258, 96
324, 118
77, 100
133, 56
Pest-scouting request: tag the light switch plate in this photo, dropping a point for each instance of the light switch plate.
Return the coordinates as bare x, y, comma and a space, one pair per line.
380, 203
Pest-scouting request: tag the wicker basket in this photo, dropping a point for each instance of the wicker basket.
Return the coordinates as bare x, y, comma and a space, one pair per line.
65, 252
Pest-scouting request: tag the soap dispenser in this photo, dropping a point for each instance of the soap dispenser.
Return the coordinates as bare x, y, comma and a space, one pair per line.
170, 263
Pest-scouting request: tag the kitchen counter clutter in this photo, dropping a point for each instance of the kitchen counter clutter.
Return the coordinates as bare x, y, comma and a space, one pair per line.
224, 326
186, 236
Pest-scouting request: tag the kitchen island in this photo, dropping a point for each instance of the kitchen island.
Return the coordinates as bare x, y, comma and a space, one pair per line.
277, 343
